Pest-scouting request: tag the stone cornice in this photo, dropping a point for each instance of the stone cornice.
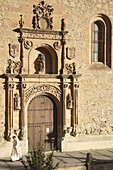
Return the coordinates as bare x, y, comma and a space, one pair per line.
58, 76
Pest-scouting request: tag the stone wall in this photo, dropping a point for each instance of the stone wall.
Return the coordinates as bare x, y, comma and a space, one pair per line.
96, 84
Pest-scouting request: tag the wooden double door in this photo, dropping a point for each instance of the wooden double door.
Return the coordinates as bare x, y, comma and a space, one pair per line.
42, 122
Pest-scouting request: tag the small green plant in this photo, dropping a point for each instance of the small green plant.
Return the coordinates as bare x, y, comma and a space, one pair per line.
37, 160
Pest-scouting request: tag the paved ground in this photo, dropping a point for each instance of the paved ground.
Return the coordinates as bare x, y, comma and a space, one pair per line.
6, 164
79, 157
65, 159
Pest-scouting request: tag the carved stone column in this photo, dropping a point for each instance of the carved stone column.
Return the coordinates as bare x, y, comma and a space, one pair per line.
75, 107
76, 103
9, 110
22, 112
63, 43
64, 108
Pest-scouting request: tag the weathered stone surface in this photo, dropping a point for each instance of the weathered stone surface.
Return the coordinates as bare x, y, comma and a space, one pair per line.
95, 100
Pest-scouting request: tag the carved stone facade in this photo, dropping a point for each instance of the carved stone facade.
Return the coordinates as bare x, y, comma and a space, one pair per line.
43, 56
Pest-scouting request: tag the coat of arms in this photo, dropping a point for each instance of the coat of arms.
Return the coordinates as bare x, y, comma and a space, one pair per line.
13, 50
70, 53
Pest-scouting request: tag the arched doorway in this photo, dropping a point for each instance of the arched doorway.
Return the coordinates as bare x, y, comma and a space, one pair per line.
42, 122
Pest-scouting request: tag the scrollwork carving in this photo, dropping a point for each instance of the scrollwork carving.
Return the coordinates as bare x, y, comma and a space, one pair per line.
44, 88
57, 45
70, 68
28, 44
13, 66
43, 16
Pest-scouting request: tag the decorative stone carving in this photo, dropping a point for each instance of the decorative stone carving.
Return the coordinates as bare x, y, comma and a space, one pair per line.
13, 50
13, 67
69, 101
28, 44
41, 62
42, 36
57, 45
16, 101
43, 16
44, 88
21, 22
70, 53
70, 68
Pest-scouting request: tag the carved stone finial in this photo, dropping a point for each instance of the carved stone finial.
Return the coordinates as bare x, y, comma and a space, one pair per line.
21, 22
43, 16
63, 25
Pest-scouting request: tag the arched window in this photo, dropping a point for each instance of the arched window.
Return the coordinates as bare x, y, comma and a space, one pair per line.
101, 40
98, 41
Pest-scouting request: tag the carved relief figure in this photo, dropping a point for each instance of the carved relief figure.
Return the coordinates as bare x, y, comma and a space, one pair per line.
16, 101
69, 101
40, 64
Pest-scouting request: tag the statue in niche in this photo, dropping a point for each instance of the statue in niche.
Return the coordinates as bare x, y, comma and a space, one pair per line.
69, 101
40, 64
16, 101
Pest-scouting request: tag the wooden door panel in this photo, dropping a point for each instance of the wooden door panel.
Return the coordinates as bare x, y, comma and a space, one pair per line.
42, 122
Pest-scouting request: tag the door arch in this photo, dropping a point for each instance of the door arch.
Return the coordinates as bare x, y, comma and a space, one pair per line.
42, 122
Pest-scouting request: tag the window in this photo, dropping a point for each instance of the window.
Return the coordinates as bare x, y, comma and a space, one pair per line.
100, 40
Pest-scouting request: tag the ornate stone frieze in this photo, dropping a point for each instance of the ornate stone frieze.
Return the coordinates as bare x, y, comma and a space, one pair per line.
42, 36
13, 66
28, 44
42, 18
70, 53
70, 68
43, 88
13, 50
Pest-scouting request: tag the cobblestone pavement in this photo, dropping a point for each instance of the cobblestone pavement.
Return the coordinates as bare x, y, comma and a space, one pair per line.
66, 159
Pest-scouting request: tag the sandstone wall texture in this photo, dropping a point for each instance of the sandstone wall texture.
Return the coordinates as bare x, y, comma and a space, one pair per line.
95, 108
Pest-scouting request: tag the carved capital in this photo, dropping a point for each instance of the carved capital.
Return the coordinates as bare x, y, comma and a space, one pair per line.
11, 86
65, 85
76, 86
24, 86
